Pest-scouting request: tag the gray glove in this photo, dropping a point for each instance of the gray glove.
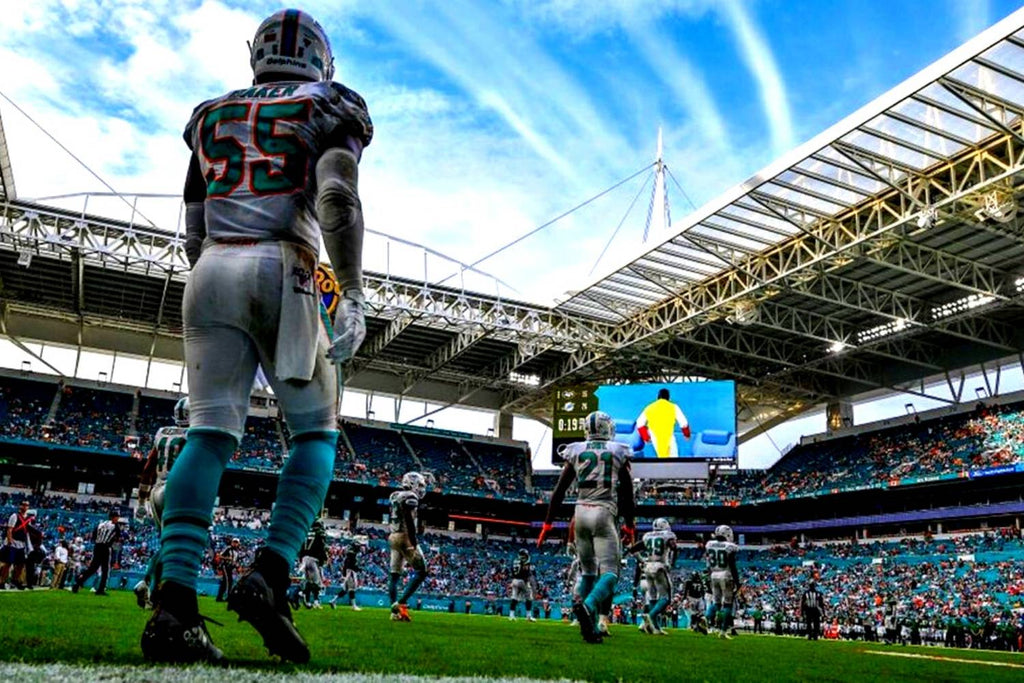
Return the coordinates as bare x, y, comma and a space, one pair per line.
349, 326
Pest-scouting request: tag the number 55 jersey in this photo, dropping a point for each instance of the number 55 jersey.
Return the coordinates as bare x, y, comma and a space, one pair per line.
258, 148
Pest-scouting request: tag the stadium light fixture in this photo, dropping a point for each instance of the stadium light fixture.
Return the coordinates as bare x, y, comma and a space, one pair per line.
963, 304
838, 347
521, 378
880, 331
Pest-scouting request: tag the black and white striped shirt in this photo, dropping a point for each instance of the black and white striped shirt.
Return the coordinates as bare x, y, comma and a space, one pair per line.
106, 533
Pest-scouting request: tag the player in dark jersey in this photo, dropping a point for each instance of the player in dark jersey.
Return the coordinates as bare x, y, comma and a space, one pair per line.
314, 555
524, 584
274, 168
350, 576
695, 589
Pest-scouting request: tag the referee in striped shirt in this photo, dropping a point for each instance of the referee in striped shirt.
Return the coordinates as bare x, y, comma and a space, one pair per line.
106, 534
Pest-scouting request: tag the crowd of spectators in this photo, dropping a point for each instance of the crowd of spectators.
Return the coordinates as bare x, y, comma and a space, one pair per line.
91, 418
102, 419
987, 437
24, 407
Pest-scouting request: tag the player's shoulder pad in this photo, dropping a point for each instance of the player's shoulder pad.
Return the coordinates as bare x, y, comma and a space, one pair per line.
350, 109
338, 90
193, 121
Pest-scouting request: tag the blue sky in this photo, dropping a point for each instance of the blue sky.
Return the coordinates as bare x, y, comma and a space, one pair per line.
492, 116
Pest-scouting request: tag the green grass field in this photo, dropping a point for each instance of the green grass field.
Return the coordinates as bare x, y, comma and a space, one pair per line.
46, 627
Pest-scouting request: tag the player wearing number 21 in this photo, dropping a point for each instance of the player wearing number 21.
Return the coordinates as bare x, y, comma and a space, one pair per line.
274, 169
599, 467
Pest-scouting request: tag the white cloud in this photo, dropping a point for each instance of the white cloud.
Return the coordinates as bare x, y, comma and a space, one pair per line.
759, 59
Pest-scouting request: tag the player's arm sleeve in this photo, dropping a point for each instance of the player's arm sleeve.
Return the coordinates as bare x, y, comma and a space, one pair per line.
683, 423
340, 214
627, 506
635, 548
195, 212
410, 523
558, 495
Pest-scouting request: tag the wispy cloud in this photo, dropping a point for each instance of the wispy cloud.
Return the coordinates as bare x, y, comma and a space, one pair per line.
970, 17
759, 59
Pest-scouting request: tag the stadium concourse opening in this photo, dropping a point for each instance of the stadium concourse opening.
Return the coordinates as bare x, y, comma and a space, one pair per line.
882, 258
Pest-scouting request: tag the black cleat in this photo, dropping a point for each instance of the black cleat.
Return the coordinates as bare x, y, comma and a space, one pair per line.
254, 601
166, 639
586, 621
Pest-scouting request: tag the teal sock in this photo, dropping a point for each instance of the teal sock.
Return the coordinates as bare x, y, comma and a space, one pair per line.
587, 582
393, 587
711, 614
727, 617
659, 607
410, 588
188, 503
604, 588
300, 491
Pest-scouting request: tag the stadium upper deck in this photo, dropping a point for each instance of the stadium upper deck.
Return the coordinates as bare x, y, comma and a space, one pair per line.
886, 250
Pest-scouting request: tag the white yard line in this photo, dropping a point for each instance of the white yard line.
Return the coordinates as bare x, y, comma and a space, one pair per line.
76, 673
959, 660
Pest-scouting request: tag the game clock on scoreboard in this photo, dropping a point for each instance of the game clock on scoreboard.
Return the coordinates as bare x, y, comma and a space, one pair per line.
572, 405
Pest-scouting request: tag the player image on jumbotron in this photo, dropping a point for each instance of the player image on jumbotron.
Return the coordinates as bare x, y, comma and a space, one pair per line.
693, 420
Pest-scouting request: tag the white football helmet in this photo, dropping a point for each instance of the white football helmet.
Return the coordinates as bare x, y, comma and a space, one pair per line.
291, 43
181, 413
661, 524
599, 427
415, 482
724, 532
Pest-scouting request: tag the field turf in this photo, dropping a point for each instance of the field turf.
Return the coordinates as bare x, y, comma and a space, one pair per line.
45, 627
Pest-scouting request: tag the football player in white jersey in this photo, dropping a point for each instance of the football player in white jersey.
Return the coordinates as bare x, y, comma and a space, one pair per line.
524, 584
167, 445
659, 550
599, 467
404, 545
273, 171
720, 555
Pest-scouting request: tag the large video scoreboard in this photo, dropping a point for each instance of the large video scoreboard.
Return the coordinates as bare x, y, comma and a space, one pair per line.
663, 423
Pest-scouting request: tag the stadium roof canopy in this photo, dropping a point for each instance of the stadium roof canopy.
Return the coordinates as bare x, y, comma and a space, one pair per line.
888, 249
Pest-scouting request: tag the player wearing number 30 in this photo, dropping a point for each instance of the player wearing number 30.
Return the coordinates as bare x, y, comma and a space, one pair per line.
720, 555
274, 169
599, 467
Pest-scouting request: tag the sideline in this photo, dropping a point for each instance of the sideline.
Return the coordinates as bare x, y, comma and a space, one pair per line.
958, 660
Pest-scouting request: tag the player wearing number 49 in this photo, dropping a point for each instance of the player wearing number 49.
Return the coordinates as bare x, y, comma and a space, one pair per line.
274, 169
659, 552
599, 467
